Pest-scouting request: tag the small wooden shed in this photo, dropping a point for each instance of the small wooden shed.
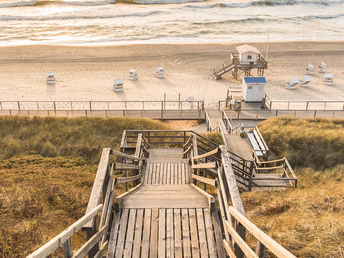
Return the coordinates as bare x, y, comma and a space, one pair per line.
248, 55
253, 89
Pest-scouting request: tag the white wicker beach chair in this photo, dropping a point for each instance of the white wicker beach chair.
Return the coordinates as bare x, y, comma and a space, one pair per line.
309, 69
51, 78
291, 85
322, 67
328, 79
305, 82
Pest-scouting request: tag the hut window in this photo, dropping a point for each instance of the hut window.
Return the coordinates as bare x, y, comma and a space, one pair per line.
249, 57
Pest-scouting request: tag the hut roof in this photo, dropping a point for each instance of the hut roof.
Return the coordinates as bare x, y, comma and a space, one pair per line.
247, 48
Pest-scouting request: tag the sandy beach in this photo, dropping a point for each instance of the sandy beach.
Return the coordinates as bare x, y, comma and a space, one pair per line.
87, 73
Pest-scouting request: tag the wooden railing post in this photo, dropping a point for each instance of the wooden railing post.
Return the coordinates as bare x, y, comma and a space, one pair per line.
68, 248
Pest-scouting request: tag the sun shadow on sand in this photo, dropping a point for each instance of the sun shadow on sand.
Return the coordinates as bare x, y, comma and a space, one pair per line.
51, 90
166, 82
138, 84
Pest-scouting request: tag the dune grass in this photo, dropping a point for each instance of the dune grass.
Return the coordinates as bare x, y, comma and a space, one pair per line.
76, 137
308, 220
315, 143
47, 170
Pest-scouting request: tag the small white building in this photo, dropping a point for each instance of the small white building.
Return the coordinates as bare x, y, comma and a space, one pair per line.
248, 55
253, 89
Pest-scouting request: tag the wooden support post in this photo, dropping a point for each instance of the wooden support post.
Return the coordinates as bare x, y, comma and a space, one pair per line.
68, 248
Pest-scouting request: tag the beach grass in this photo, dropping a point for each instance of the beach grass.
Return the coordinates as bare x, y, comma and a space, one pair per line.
42, 192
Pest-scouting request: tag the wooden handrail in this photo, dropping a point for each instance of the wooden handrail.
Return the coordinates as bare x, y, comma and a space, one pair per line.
124, 155
97, 188
204, 180
121, 180
54, 243
266, 240
207, 154
204, 165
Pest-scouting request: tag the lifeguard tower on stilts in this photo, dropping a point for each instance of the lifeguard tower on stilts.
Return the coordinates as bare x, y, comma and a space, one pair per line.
247, 59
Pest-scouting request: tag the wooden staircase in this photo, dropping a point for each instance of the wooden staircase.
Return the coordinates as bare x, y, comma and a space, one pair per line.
169, 207
225, 68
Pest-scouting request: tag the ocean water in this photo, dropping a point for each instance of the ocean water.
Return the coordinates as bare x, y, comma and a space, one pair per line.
110, 22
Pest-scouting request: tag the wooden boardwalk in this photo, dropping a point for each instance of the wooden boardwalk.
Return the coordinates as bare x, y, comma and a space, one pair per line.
169, 207
166, 216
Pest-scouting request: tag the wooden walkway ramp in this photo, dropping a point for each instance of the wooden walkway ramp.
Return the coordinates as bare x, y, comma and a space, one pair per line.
165, 216
180, 201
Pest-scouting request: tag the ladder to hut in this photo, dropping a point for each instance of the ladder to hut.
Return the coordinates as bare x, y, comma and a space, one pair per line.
165, 194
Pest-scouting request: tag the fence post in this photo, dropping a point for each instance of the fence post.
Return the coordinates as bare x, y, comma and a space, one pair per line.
55, 107
18, 105
315, 113
90, 105
162, 110
307, 105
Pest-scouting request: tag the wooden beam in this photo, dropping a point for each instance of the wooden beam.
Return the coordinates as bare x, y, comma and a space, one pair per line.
206, 154
124, 155
126, 166
61, 238
231, 181
240, 242
203, 179
267, 241
98, 184
138, 145
187, 150
204, 165
121, 180
228, 249
83, 251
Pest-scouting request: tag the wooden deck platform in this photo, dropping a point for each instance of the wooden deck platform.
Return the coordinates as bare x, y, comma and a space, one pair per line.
238, 145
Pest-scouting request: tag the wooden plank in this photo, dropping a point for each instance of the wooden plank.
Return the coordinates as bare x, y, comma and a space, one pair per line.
231, 181
97, 187
177, 234
84, 250
169, 234
194, 234
138, 233
228, 249
205, 180
138, 145
161, 174
122, 233
68, 248
121, 180
207, 154
187, 173
240, 242
201, 233
186, 234
210, 233
126, 166
153, 252
218, 234
210, 198
204, 165
147, 172
162, 234
180, 172
164, 174
54, 243
183, 172
158, 172
169, 174
124, 155
172, 174
130, 234
267, 241
146, 233
154, 174
114, 234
